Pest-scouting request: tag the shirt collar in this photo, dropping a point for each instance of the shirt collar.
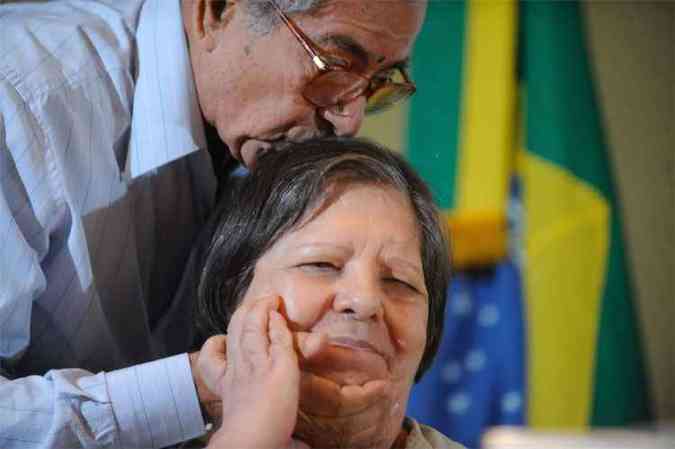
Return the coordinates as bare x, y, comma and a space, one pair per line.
166, 123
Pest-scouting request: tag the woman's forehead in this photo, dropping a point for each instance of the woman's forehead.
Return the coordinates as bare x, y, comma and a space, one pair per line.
356, 211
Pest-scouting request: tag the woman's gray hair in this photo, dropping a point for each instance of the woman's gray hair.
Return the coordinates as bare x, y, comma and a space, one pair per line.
264, 18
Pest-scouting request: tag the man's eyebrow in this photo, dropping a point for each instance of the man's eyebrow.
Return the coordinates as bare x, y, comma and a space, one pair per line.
349, 45
346, 43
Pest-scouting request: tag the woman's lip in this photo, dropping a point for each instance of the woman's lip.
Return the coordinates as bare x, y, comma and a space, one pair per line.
348, 360
352, 343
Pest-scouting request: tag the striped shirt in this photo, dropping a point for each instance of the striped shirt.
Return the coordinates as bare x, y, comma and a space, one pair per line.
98, 210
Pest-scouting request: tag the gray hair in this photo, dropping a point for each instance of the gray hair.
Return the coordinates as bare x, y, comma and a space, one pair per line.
263, 17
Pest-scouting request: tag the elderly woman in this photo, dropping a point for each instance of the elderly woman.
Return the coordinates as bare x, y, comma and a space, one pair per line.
329, 280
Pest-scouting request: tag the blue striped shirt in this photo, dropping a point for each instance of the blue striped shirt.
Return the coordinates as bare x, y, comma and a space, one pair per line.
98, 210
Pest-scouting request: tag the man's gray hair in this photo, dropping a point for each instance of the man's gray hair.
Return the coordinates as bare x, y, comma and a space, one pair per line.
264, 18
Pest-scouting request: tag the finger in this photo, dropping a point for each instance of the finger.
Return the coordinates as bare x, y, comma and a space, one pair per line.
254, 339
281, 341
242, 311
309, 344
280, 335
233, 333
236, 326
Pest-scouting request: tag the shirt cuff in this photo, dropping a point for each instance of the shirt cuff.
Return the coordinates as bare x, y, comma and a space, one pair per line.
155, 403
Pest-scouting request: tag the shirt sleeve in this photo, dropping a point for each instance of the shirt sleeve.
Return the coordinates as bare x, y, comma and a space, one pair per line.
156, 403
150, 405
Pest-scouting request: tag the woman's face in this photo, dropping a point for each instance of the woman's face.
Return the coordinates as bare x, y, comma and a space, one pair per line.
353, 273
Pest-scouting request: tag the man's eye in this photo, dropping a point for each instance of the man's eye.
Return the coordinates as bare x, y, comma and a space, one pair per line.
337, 62
387, 75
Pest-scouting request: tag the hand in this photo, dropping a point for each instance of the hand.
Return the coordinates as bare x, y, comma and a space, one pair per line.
261, 385
208, 370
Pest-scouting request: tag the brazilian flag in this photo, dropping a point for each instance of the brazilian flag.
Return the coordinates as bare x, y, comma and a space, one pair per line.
586, 337
540, 325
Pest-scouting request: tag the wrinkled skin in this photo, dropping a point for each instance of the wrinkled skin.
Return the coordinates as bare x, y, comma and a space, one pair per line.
250, 85
325, 346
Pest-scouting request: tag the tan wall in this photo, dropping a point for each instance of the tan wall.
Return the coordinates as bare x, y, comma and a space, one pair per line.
633, 48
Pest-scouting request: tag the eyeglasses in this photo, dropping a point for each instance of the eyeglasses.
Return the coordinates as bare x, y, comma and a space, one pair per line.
336, 85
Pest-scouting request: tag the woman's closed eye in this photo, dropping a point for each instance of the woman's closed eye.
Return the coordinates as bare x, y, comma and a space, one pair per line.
402, 283
320, 266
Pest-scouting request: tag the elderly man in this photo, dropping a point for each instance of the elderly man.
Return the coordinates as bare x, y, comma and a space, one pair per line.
106, 111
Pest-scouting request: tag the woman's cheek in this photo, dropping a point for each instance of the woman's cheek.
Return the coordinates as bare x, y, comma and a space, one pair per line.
408, 327
304, 300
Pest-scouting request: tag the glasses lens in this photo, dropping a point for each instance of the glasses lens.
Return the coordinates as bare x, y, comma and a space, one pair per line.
339, 87
387, 95
335, 87
387, 88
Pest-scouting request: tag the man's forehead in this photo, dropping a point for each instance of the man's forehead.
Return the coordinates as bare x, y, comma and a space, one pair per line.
392, 14
370, 25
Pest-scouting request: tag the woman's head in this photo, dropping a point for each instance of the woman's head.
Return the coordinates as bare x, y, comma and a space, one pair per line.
345, 232
348, 237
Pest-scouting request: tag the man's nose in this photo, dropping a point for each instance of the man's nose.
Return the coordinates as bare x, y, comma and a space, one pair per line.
360, 296
348, 119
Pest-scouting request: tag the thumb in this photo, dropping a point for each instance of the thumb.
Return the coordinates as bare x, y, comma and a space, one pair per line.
281, 339
215, 348
208, 367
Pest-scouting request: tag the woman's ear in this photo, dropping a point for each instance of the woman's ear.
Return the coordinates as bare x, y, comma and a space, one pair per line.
209, 17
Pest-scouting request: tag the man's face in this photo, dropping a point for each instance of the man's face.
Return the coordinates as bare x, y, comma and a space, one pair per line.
250, 85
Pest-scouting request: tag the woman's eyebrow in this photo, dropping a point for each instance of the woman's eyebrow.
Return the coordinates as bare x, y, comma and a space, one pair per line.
319, 245
406, 264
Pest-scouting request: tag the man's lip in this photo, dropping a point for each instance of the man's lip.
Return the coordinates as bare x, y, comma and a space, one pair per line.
272, 142
251, 149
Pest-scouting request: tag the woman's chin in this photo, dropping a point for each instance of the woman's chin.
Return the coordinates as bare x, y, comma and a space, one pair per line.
349, 413
375, 428
349, 398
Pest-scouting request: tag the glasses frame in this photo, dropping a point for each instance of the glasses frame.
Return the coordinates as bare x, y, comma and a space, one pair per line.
320, 60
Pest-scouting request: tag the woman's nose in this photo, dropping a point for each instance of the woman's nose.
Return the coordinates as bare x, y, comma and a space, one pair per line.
361, 297
347, 119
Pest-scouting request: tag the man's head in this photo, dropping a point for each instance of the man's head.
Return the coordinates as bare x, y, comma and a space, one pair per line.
252, 73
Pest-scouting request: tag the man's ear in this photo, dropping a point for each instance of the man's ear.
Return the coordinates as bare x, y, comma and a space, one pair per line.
209, 17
